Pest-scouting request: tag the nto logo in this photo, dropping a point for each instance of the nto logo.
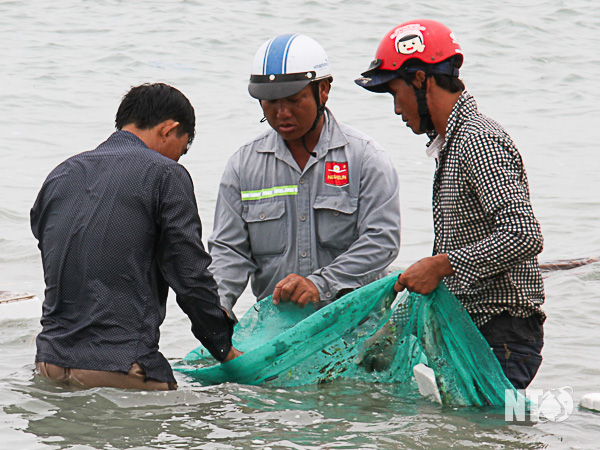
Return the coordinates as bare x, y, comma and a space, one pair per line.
538, 405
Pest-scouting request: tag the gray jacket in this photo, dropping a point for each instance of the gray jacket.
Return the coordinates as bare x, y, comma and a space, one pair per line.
336, 223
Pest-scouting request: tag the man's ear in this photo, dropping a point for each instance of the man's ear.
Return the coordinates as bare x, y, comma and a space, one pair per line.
166, 128
420, 78
324, 87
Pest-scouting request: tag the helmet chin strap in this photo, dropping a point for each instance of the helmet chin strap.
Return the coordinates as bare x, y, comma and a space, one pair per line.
320, 111
425, 122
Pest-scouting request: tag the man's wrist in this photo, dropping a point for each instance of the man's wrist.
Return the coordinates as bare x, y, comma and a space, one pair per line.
443, 264
322, 287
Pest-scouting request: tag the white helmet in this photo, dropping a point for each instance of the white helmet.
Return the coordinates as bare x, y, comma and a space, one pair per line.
285, 64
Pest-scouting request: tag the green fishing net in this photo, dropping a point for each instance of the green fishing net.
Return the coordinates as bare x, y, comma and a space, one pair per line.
371, 335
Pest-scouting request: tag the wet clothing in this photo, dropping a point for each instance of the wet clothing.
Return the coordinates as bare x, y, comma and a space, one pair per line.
483, 218
520, 361
517, 343
117, 226
337, 222
134, 379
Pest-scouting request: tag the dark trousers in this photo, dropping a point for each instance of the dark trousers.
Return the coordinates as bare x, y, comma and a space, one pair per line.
517, 343
520, 361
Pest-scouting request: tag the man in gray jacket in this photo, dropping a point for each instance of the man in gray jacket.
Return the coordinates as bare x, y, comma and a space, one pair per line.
308, 210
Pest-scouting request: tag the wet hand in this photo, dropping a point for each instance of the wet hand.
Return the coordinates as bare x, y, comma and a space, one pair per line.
297, 289
424, 275
233, 353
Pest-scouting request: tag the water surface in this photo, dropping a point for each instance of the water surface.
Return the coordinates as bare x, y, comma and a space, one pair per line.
533, 67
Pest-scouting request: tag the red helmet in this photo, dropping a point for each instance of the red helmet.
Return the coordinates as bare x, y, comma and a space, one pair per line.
411, 45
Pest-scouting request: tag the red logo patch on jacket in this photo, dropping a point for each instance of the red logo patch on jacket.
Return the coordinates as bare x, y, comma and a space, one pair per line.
336, 173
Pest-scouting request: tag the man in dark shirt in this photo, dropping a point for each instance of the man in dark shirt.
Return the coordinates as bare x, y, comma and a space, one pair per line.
117, 226
486, 236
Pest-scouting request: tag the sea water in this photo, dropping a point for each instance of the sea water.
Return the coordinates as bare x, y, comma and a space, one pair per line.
533, 66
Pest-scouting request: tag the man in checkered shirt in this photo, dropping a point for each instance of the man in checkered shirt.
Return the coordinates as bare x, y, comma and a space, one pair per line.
486, 236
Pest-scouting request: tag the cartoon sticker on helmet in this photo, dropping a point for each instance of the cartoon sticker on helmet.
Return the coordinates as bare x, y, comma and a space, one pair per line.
409, 39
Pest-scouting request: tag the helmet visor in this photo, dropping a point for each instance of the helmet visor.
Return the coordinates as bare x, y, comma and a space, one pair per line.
377, 81
272, 87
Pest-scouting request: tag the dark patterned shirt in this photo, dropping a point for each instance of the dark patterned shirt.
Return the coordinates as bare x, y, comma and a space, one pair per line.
116, 227
483, 218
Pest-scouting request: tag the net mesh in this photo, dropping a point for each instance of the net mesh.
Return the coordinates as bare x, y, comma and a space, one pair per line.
370, 335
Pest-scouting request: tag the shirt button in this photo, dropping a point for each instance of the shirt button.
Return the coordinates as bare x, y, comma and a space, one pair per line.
302, 217
262, 216
301, 180
328, 294
303, 254
336, 213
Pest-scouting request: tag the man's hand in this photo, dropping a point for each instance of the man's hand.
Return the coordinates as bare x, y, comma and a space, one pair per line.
424, 275
297, 289
233, 353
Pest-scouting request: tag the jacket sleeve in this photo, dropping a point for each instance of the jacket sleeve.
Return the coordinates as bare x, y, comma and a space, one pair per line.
229, 244
495, 172
378, 226
184, 262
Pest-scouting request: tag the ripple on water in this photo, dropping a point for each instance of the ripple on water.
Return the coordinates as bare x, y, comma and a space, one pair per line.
532, 66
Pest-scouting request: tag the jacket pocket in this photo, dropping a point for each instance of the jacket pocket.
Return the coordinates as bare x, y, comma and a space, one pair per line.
336, 220
267, 227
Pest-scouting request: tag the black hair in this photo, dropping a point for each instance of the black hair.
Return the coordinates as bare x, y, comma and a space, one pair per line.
447, 82
148, 105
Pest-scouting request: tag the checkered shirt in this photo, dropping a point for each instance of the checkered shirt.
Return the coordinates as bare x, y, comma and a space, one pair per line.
483, 218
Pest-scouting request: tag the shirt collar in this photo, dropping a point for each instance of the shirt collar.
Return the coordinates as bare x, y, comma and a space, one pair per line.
464, 108
127, 136
434, 147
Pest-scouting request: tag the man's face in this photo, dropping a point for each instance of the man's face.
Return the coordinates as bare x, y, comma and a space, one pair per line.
405, 103
292, 117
